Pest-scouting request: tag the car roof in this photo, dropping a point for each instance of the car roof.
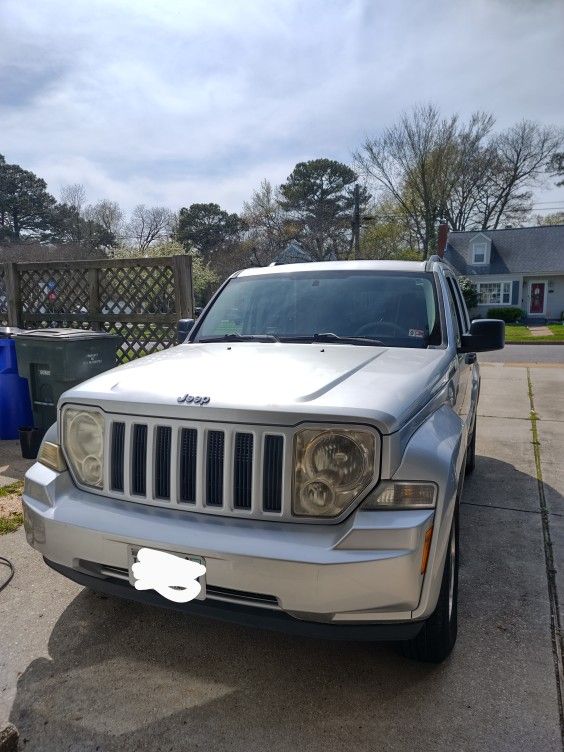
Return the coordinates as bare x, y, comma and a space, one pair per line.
327, 266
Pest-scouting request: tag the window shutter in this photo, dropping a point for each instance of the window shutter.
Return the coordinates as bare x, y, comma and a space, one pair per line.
515, 293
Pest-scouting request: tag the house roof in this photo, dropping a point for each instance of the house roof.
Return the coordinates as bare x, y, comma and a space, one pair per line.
519, 250
293, 253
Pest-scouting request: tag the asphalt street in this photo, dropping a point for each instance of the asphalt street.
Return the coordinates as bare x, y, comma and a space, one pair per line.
82, 672
526, 354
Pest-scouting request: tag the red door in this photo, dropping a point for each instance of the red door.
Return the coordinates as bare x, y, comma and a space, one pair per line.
538, 290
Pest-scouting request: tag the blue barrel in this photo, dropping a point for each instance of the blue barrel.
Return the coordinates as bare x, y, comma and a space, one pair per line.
15, 404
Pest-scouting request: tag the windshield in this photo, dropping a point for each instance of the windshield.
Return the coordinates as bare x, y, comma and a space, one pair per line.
373, 307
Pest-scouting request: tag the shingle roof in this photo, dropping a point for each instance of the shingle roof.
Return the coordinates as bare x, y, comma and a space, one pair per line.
519, 250
293, 253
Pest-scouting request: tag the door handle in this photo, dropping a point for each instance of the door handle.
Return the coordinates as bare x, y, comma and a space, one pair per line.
470, 358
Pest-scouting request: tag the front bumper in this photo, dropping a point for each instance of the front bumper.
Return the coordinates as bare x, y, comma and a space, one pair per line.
363, 571
247, 615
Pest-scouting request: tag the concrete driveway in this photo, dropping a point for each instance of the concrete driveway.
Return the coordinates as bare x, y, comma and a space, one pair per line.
82, 672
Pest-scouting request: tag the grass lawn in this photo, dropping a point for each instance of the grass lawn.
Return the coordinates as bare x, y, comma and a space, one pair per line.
520, 333
10, 505
11, 523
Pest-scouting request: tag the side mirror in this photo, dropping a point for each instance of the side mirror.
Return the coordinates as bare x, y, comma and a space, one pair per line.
485, 334
183, 329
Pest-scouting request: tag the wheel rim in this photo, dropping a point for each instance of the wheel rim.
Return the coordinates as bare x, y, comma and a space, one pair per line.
451, 569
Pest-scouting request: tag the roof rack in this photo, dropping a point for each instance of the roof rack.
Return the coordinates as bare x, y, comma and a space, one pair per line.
433, 259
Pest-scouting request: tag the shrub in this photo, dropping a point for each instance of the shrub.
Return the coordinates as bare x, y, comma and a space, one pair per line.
468, 291
509, 315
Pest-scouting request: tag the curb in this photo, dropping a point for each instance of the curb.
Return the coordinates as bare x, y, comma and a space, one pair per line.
8, 738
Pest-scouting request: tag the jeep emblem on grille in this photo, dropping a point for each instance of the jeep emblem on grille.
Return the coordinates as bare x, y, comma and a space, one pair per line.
190, 399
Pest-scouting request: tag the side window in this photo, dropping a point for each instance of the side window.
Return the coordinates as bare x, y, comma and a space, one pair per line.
455, 314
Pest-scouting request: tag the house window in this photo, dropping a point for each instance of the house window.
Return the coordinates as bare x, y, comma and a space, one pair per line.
494, 293
479, 253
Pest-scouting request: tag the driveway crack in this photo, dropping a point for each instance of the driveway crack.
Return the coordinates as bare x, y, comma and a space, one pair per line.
555, 625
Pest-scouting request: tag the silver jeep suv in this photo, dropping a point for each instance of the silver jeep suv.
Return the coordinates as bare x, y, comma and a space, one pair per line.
307, 443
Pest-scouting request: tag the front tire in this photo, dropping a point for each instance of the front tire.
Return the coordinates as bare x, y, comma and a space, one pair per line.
436, 639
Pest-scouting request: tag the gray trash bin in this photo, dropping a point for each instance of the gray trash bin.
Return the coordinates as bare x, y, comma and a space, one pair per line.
54, 360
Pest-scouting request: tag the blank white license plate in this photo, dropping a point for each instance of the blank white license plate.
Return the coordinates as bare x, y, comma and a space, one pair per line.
132, 558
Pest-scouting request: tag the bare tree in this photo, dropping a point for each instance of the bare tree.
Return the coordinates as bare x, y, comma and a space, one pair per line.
410, 162
556, 166
473, 161
267, 226
439, 168
73, 196
108, 215
148, 224
522, 154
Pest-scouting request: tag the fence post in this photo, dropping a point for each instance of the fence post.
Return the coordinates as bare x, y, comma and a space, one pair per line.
12, 281
183, 286
93, 296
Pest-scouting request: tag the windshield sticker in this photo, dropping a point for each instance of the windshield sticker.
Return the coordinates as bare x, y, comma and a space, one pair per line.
417, 333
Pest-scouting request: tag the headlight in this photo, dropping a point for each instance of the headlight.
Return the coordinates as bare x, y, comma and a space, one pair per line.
331, 468
402, 495
83, 440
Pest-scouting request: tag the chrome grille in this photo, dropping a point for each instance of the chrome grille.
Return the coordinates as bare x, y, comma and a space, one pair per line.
228, 469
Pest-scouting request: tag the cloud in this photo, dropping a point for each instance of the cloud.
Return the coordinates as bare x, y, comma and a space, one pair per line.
189, 100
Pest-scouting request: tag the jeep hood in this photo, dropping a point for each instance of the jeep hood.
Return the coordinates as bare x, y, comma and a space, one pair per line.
273, 383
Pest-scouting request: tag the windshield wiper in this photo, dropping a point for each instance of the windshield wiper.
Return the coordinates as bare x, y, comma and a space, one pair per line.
233, 337
331, 337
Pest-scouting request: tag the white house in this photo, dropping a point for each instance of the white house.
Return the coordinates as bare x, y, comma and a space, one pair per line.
521, 267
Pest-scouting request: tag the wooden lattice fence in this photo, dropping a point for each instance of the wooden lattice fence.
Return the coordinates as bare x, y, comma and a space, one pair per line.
140, 299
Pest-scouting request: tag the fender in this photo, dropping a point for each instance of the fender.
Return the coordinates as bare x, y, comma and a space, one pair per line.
436, 452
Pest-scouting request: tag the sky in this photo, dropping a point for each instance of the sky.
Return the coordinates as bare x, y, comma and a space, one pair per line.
171, 102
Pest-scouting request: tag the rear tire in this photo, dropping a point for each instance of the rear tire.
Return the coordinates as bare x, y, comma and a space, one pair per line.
437, 637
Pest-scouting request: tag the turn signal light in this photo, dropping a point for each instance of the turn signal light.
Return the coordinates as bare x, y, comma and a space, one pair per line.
51, 455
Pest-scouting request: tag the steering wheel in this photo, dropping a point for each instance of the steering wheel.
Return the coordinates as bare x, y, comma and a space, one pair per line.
375, 328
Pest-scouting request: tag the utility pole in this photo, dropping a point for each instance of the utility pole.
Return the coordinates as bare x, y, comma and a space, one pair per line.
356, 223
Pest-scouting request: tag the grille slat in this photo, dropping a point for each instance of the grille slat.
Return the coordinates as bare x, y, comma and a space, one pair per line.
272, 473
139, 461
162, 462
243, 470
214, 468
187, 469
117, 454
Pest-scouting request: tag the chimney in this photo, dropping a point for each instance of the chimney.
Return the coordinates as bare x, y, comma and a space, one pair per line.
442, 239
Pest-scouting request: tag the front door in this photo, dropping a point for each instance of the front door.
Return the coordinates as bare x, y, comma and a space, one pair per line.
537, 298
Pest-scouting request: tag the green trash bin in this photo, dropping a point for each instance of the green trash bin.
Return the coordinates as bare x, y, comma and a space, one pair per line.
54, 360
